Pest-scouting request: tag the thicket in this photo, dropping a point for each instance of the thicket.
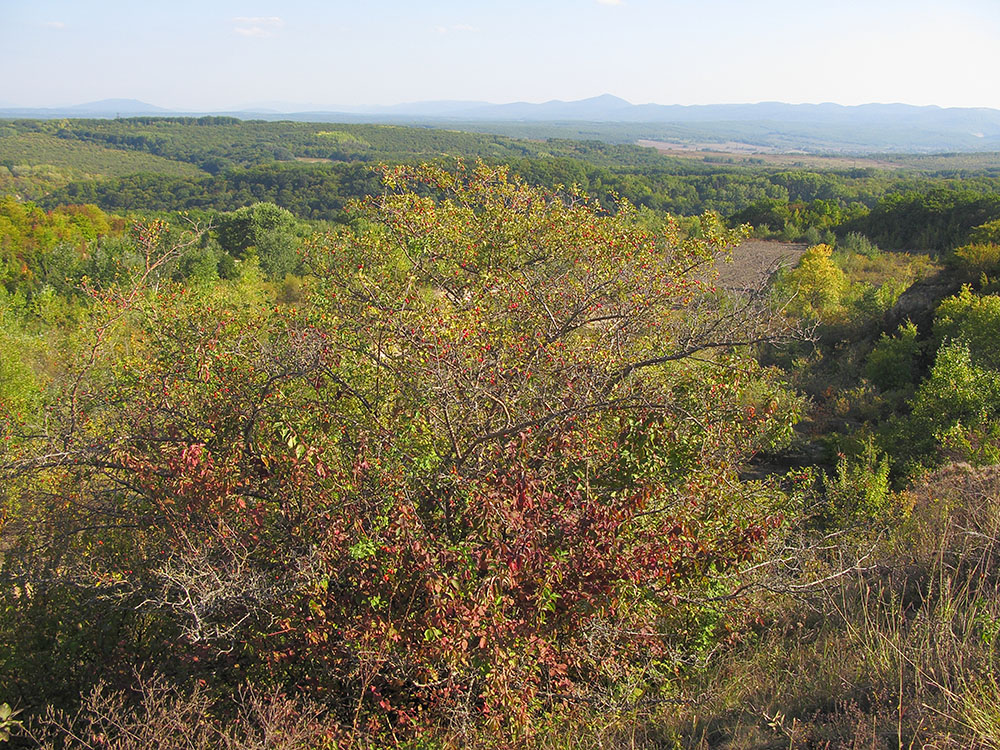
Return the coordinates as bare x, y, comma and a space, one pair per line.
927, 395
484, 472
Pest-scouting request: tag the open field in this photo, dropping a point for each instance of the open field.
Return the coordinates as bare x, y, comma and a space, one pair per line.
745, 154
749, 155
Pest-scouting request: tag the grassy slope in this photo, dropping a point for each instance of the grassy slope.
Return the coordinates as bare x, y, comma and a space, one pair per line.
32, 164
88, 158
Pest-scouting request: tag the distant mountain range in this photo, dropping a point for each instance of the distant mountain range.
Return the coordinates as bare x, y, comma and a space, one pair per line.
767, 125
106, 108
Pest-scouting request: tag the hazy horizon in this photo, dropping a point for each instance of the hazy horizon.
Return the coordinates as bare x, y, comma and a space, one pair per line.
231, 54
279, 107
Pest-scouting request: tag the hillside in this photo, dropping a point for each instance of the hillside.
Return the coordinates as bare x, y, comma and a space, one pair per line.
32, 164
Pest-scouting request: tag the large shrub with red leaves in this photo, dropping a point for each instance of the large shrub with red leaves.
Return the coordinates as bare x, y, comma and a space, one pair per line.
479, 474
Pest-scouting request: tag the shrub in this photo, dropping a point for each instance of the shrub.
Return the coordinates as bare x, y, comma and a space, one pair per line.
975, 319
955, 409
857, 243
467, 482
894, 362
859, 491
978, 259
986, 234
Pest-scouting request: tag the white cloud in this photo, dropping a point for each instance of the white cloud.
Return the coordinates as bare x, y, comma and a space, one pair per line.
54, 25
259, 27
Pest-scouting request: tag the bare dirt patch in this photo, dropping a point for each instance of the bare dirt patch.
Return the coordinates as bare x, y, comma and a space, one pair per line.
755, 260
729, 147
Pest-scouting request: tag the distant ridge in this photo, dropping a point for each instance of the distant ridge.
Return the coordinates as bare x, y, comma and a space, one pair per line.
598, 108
608, 108
604, 108
99, 109
119, 106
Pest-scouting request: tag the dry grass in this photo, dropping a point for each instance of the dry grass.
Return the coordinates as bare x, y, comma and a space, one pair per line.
905, 653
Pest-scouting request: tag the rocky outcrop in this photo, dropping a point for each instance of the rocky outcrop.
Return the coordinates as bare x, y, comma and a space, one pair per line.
919, 302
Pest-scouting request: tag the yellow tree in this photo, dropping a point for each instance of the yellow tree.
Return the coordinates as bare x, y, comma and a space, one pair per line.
817, 286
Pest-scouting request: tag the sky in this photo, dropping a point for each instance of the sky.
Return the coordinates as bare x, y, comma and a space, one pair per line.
210, 55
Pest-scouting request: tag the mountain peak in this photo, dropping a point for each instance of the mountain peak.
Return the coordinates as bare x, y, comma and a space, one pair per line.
609, 100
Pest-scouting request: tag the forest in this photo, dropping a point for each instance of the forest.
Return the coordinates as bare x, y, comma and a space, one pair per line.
320, 435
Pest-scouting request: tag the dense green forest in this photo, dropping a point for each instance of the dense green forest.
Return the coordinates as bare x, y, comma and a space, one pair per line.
314, 170
527, 446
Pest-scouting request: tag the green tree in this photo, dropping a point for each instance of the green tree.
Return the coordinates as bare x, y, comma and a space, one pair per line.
266, 230
988, 233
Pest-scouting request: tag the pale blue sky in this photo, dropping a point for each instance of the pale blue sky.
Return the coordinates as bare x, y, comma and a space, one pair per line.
218, 54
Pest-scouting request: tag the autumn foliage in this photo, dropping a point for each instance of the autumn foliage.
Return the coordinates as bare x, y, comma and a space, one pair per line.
481, 474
